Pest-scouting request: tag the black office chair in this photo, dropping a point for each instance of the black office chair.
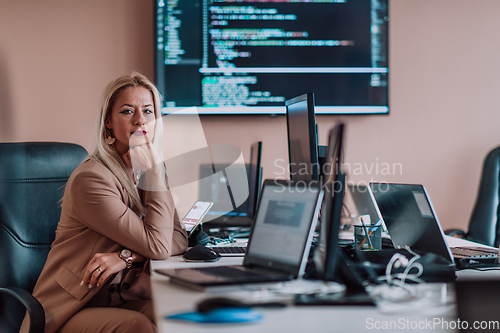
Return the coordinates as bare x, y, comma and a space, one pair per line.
484, 226
32, 179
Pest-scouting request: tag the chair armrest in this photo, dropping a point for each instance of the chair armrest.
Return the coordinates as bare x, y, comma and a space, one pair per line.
35, 309
456, 233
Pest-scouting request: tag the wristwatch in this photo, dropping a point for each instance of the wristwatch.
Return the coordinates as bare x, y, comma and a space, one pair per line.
126, 255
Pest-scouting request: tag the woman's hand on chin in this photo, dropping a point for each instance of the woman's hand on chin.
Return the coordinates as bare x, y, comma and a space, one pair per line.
143, 157
146, 158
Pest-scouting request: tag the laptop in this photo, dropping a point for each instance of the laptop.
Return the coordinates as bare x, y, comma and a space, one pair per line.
412, 222
365, 203
278, 246
217, 190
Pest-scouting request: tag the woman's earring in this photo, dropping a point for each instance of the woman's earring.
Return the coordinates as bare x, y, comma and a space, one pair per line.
110, 140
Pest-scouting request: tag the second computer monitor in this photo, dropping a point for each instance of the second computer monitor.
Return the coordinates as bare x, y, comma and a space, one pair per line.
325, 255
302, 140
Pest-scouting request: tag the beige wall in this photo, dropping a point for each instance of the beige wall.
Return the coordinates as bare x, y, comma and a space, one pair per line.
56, 56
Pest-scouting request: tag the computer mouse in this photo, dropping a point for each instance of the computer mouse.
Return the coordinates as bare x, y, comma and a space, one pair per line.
214, 303
201, 253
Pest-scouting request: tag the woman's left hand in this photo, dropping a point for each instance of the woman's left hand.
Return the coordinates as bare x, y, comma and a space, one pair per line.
101, 267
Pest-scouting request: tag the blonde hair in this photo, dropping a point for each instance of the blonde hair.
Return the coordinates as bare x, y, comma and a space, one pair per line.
106, 153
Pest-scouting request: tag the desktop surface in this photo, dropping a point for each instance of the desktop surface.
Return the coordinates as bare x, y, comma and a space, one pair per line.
171, 298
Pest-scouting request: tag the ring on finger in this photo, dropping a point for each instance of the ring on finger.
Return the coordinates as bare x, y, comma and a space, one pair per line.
100, 270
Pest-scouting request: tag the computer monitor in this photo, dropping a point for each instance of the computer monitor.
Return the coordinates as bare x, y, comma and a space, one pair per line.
214, 189
255, 177
331, 263
302, 139
248, 57
325, 255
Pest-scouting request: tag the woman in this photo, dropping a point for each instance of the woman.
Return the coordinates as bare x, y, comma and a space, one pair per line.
96, 278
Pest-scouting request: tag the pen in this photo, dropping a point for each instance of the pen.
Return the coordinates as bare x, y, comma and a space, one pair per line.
366, 233
375, 226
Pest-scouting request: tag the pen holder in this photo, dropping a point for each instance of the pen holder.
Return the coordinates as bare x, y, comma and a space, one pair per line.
372, 242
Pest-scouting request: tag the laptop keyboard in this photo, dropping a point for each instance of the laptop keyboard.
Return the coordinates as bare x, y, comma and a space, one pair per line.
229, 249
473, 252
226, 272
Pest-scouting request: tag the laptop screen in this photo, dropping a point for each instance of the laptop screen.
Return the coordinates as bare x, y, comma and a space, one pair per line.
364, 203
410, 219
286, 216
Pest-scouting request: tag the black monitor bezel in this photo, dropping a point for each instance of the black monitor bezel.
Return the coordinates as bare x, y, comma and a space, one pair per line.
325, 257
254, 184
313, 140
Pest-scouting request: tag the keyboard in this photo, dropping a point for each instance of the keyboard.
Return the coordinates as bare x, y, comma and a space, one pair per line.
474, 252
227, 272
228, 251
474, 257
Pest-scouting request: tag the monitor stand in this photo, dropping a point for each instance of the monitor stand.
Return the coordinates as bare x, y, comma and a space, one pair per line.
348, 275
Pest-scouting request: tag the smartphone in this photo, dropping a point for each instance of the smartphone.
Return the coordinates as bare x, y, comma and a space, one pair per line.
195, 215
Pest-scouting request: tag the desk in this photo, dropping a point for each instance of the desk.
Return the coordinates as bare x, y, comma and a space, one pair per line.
170, 298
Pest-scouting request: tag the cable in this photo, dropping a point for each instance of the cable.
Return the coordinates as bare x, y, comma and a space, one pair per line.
397, 289
399, 296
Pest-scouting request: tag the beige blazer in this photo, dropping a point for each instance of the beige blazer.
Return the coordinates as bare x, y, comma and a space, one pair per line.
95, 218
